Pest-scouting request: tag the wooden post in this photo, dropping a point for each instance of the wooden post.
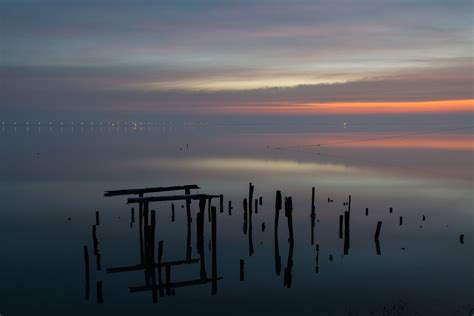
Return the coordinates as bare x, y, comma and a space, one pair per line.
366, 211
349, 207
317, 258
214, 245
100, 297
172, 212
245, 217
209, 209
347, 236
256, 206
242, 272
401, 221
145, 217
97, 220
377, 232
250, 197
188, 205
221, 202
152, 236
313, 207
230, 207
160, 251
461, 238
289, 215
95, 240
260, 200
391, 210
275, 238
87, 275
341, 222
140, 231
132, 216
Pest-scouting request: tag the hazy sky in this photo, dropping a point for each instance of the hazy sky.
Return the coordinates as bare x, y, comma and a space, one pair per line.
74, 56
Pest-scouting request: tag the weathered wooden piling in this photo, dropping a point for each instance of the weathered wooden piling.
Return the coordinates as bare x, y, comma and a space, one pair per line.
172, 212
424, 217
341, 223
330, 257
377, 231
366, 211
349, 204
263, 227
461, 238
242, 272
209, 205
401, 221
256, 206
160, 251
132, 216
260, 200
289, 215
100, 297
391, 210
151, 240
288, 275
313, 207
230, 208
87, 274
221, 203
140, 232
97, 219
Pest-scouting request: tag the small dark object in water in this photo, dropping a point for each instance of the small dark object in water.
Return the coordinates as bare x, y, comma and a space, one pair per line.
330, 257
263, 227
329, 200
68, 218
403, 248
461, 238
424, 218
421, 226
182, 206
391, 210
366, 211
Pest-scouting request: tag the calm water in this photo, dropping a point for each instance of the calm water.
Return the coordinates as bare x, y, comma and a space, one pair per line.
50, 174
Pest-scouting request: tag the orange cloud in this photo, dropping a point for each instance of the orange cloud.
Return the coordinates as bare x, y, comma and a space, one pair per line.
356, 108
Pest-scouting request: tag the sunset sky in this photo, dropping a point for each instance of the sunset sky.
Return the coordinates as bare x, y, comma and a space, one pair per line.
236, 57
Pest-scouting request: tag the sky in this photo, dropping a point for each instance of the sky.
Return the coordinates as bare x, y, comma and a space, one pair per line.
255, 57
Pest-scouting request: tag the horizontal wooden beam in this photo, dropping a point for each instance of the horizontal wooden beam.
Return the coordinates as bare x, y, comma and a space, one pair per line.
150, 190
173, 285
171, 198
157, 265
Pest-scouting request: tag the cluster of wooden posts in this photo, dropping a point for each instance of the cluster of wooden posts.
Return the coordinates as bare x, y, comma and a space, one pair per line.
152, 264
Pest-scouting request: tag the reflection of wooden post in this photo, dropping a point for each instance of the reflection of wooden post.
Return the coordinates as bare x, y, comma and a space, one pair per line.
214, 257
98, 265
168, 279
242, 272
317, 258
100, 297
87, 276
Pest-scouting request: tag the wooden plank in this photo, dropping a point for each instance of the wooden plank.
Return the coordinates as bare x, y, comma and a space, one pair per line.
150, 190
170, 198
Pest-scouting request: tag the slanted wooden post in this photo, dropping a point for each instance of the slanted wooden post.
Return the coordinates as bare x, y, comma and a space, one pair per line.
87, 275
377, 232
